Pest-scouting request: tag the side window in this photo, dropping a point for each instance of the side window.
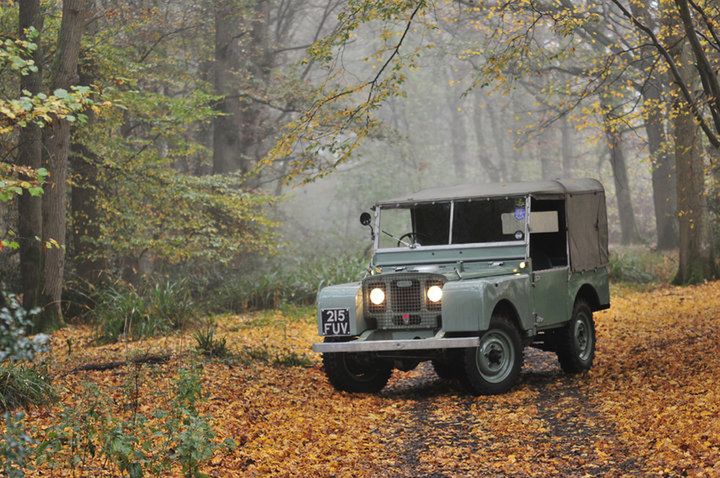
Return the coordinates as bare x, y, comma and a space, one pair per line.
494, 220
548, 238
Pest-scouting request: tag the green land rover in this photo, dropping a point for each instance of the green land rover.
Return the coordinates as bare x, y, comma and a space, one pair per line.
466, 277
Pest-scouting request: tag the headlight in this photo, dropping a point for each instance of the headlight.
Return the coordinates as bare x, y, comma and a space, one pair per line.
377, 296
434, 293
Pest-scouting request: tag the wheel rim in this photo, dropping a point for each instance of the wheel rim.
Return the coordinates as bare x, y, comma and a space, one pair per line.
582, 331
495, 356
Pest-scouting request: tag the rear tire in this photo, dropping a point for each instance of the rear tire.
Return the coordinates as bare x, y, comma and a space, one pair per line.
355, 372
494, 366
576, 340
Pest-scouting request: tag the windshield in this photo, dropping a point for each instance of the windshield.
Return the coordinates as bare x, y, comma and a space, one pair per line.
473, 222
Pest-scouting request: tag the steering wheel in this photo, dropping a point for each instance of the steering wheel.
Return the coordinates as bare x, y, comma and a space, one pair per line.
412, 239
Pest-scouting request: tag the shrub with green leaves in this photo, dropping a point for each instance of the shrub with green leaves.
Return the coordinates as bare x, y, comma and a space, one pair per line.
135, 443
15, 446
15, 323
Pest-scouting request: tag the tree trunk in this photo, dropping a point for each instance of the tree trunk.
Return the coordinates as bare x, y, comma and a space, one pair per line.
663, 178
483, 154
56, 145
696, 261
226, 126
497, 126
87, 258
30, 155
458, 134
568, 152
653, 93
546, 155
243, 62
628, 226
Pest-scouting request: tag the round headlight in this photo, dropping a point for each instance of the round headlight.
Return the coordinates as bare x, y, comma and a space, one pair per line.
434, 293
377, 296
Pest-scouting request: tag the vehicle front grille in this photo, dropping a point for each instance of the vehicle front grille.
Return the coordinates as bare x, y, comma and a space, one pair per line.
406, 304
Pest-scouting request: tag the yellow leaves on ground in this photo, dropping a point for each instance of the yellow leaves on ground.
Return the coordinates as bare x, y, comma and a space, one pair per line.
650, 406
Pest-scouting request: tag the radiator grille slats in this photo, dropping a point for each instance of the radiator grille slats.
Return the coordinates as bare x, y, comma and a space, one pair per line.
406, 305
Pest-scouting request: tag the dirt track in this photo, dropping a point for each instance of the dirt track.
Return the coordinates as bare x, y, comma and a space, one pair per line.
564, 427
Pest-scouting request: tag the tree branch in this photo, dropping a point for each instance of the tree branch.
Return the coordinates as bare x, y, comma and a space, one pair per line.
677, 76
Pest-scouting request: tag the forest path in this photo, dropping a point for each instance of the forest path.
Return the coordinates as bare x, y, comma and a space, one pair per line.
545, 425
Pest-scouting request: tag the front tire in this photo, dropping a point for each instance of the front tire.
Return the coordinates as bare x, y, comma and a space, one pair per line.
494, 366
576, 340
355, 372
449, 367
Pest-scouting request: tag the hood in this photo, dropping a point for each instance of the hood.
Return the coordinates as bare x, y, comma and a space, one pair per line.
455, 272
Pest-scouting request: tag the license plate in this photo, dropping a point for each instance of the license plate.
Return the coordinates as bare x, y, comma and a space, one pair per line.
335, 321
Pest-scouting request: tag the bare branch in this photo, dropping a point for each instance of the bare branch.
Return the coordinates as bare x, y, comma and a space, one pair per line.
677, 76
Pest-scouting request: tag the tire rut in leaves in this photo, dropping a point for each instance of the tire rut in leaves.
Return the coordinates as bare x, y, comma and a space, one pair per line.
552, 428
577, 432
425, 394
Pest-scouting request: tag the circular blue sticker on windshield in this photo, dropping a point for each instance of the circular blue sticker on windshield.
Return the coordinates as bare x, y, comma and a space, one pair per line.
519, 213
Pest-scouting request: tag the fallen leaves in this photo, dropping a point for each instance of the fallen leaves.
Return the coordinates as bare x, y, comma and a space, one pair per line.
651, 404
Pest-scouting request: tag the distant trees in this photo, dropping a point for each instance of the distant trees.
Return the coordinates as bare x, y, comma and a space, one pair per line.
610, 63
164, 129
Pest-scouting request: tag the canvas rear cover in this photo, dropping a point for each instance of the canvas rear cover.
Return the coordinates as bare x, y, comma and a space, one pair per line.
588, 230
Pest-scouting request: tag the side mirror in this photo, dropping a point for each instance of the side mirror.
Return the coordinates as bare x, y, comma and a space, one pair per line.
365, 219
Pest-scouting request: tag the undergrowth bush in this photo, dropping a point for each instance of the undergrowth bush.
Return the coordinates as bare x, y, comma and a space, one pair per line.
15, 446
121, 311
641, 266
135, 444
286, 283
207, 344
21, 383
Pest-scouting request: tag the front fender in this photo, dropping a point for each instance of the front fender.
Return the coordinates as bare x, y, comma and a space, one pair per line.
468, 304
343, 296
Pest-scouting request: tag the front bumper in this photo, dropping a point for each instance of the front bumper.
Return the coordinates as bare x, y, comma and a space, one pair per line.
363, 345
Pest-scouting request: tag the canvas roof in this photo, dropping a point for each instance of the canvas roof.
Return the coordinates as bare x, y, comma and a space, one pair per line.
470, 191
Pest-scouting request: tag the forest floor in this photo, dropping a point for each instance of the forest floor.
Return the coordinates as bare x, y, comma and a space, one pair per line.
649, 407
